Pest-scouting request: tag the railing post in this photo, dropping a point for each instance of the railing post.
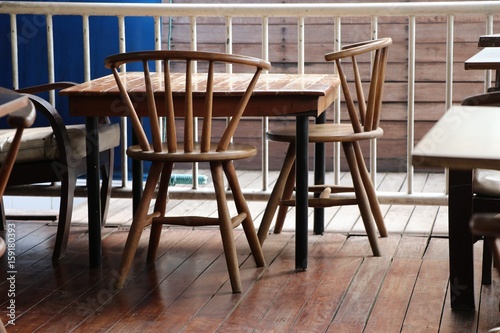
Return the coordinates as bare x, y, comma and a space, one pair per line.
487, 74
13, 51
336, 117
86, 48
411, 103
449, 61
265, 120
300, 46
373, 142
449, 73
50, 56
194, 47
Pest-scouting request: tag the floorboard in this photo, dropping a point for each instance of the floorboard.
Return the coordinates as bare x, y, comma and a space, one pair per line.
187, 289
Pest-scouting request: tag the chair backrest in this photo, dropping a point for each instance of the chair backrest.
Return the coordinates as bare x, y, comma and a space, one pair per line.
167, 82
486, 99
20, 114
366, 117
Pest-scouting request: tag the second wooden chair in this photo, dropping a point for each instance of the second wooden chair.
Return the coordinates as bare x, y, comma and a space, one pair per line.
364, 125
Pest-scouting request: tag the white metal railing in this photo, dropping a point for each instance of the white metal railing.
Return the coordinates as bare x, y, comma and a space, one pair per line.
265, 11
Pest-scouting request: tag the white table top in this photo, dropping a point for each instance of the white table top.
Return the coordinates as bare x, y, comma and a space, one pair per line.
466, 137
487, 58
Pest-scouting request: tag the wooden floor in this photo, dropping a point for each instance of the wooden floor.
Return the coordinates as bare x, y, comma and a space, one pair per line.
345, 289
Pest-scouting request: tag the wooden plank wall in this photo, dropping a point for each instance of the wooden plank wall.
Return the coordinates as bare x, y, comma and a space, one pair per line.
319, 34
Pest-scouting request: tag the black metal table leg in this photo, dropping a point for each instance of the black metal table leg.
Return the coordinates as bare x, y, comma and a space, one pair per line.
94, 194
461, 240
301, 169
319, 178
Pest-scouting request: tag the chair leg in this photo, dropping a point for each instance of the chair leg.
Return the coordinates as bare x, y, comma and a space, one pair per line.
107, 182
487, 263
226, 228
276, 194
68, 185
361, 197
370, 191
242, 207
161, 207
138, 224
287, 195
2, 327
3, 225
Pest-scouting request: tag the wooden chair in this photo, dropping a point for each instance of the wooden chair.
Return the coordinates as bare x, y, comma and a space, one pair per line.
164, 153
488, 225
485, 184
57, 153
21, 114
364, 125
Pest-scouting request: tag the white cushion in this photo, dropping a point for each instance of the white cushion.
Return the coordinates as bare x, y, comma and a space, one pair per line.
39, 143
487, 182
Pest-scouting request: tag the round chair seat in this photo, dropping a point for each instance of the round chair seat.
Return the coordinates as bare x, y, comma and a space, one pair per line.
235, 151
325, 133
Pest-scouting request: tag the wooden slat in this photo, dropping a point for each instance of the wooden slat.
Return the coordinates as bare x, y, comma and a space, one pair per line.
344, 289
252, 308
215, 311
424, 310
288, 304
396, 290
360, 297
146, 289
182, 309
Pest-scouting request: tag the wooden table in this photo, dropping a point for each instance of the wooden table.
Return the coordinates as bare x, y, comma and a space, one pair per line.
301, 96
465, 138
486, 59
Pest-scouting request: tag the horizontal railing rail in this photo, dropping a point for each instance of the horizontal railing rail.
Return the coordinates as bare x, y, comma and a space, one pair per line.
411, 12
254, 9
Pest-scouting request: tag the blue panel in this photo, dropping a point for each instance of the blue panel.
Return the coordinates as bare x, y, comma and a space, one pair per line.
68, 48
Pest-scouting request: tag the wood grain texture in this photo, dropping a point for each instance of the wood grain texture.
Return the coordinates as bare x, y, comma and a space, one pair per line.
187, 288
69, 296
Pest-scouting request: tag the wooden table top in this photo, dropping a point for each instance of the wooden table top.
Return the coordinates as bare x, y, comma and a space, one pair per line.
275, 94
466, 137
487, 58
